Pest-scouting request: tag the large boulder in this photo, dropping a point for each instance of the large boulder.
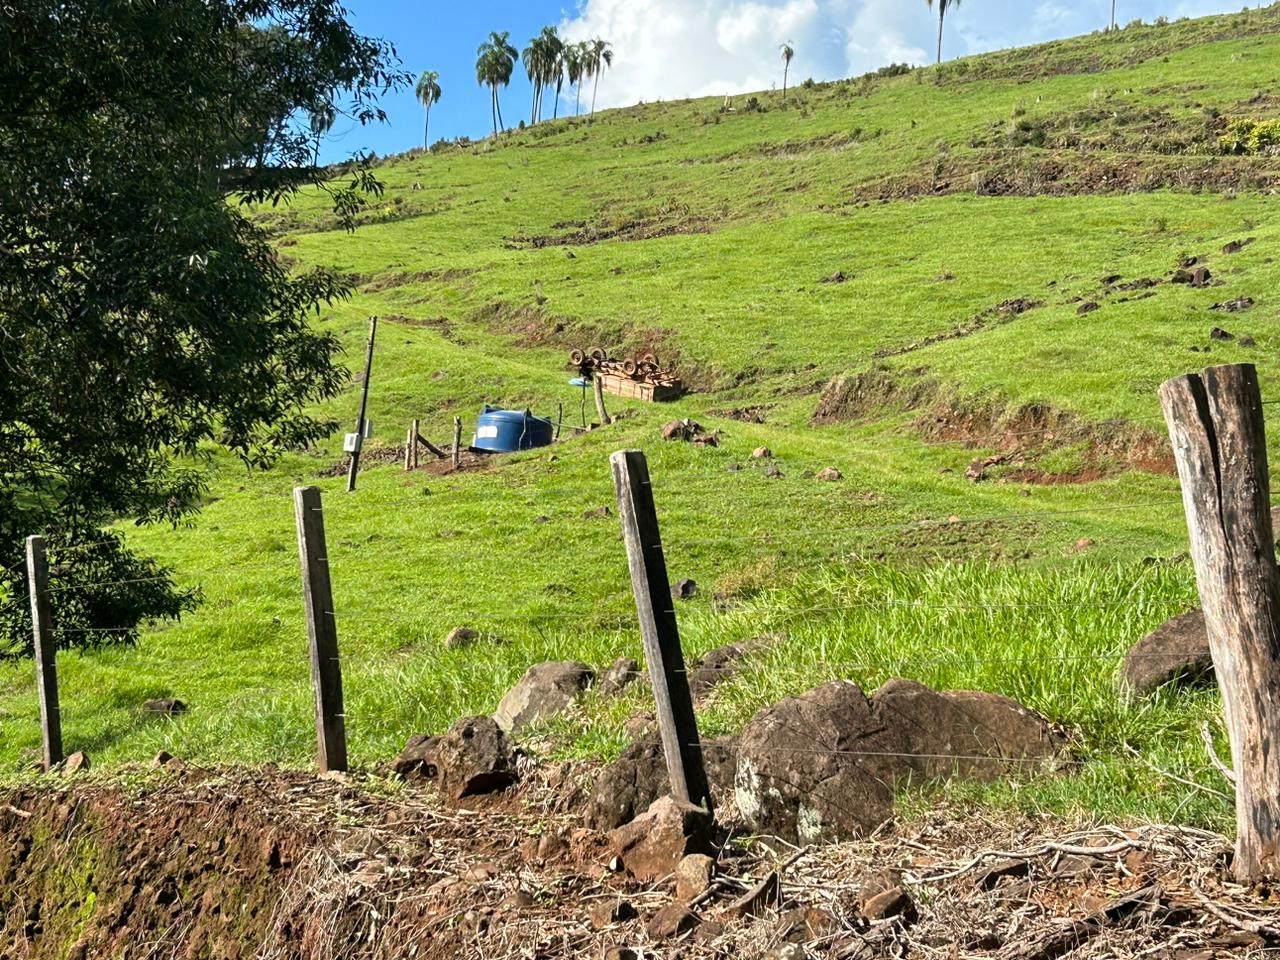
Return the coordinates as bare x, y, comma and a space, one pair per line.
1177, 651
653, 845
474, 757
545, 690
824, 765
815, 767
625, 788
967, 733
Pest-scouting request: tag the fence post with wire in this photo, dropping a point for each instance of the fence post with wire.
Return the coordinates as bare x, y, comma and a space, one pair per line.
322, 630
45, 652
1216, 426
658, 630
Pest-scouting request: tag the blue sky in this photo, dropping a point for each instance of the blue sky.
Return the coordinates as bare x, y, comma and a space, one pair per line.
668, 49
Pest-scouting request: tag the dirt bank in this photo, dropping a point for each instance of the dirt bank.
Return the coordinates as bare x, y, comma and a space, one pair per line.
270, 864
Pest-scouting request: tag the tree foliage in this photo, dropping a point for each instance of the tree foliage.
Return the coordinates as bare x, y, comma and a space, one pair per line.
144, 319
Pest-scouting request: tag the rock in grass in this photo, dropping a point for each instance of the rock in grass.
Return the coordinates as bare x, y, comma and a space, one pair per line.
165, 707
829, 474
78, 762
545, 690
475, 757
1176, 652
619, 676
460, 637
417, 761
823, 766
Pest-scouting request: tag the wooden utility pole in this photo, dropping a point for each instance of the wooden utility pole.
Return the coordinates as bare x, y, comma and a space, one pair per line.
1216, 426
598, 386
658, 630
457, 442
364, 405
46, 652
322, 631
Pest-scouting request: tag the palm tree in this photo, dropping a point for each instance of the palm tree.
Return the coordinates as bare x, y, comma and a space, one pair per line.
553, 66
599, 56
495, 61
575, 66
533, 67
943, 7
1113, 14
428, 92
788, 51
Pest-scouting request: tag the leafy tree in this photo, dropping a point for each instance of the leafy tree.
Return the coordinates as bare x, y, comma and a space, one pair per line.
427, 91
788, 51
495, 62
599, 56
943, 7
145, 321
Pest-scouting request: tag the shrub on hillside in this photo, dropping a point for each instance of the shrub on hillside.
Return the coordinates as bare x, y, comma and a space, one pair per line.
1246, 135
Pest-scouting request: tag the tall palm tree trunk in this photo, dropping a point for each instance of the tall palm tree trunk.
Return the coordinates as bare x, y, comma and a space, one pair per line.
498, 103
785, 68
426, 129
555, 108
595, 88
493, 106
1113, 14
577, 99
942, 16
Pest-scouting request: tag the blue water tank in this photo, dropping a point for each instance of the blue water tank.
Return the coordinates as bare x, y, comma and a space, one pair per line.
502, 431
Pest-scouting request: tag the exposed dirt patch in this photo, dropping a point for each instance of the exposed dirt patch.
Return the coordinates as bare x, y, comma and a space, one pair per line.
743, 414
443, 324
995, 316
1019, 435
289, 866
1032, 173
640, 228
390, 281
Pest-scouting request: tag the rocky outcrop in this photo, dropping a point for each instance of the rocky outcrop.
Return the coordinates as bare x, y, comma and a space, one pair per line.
474, 757
626, 787
1177, 651
825, 765
545, 690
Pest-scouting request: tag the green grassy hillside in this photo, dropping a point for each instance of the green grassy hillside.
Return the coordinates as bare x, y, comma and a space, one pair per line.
897, 275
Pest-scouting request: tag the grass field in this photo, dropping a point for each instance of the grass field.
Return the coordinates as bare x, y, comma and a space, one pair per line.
712, 235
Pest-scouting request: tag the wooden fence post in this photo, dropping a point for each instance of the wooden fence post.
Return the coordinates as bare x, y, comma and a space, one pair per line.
457, 442
656, 612
410, 441
322, 631
416, 441
46, 652
1216, 427
598, 387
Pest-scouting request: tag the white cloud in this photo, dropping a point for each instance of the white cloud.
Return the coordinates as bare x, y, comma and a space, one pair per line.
668, 49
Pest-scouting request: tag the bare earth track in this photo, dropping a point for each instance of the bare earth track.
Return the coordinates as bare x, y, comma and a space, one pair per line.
234, 863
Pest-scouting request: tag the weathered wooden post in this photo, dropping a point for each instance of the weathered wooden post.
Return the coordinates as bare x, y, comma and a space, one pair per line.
416, 440
322, 631
658, 630
1216, 426
46, 652
410, 441
457, 442
598, 386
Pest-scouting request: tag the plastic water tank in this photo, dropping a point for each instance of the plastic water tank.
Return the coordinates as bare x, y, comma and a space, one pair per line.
502, 431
